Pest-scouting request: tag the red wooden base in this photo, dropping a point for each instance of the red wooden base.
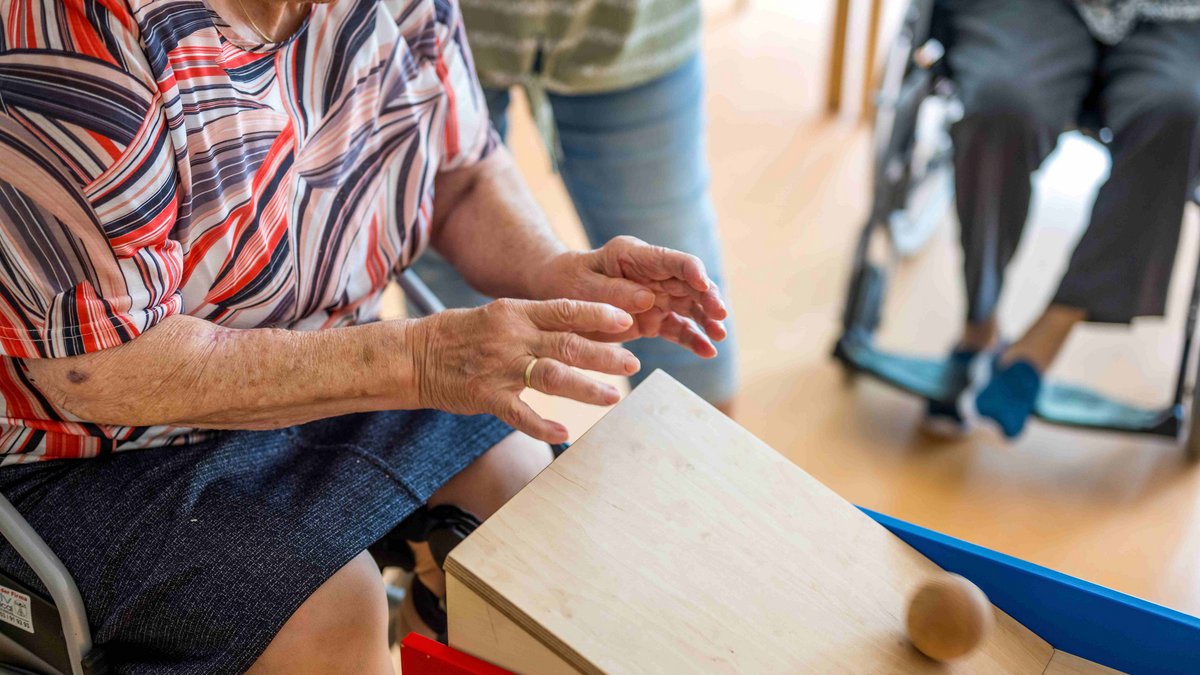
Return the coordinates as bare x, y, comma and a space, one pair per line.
421, 656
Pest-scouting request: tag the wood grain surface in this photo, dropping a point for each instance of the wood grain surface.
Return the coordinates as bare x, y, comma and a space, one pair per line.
1063, 663
669, 539
478, 628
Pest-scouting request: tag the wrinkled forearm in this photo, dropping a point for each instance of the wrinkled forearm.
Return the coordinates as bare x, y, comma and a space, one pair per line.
190, 372
489, 227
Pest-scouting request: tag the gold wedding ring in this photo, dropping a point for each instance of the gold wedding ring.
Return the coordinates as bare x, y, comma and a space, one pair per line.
529, 372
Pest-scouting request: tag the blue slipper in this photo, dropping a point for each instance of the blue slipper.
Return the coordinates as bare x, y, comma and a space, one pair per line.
1009, 397
946, 419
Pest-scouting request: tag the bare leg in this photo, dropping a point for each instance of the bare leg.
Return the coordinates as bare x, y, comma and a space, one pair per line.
1010, 397
1045, 338
979, 336
493, 479
340, 628
480, 489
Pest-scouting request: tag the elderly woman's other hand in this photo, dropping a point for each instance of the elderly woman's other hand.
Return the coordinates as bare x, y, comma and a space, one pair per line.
472, 361
668, 293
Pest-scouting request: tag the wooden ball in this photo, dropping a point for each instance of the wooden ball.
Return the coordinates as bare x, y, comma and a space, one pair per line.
948, 617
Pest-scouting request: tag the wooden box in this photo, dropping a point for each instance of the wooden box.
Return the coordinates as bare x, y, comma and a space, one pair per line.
670, 540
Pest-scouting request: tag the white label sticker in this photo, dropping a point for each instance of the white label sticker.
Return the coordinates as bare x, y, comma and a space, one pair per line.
16, 609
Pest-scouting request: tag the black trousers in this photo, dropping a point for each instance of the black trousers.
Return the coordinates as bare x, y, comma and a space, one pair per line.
1024, 69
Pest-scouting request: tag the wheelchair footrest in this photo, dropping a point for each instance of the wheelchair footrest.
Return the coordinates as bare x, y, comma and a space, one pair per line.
1076, 406
1062, 404
925, 377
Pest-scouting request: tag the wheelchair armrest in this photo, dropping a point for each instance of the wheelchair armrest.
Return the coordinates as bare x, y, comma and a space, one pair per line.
67, 603
418, 294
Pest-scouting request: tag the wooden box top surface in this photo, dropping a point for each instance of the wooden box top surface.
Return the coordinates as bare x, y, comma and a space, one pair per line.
669, 539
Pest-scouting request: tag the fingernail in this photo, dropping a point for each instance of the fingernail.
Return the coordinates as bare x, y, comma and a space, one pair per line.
643, 298
624, 320
632, 365
613, 394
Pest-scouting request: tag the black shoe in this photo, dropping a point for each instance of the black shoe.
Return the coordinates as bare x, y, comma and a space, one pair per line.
946, 419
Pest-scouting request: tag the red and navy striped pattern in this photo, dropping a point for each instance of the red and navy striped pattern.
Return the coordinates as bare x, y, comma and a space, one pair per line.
154, 162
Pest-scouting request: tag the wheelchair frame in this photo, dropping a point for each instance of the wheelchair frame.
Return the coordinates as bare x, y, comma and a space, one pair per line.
914, 72
61, 643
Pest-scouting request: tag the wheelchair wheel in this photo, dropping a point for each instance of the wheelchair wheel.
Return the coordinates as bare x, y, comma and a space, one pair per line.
928, 185
862, 311
1187, 389
1191, 446
1191, 443
864, 302
1191, 387
911, 146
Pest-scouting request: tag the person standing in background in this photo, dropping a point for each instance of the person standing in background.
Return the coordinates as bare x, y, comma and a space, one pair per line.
616, 90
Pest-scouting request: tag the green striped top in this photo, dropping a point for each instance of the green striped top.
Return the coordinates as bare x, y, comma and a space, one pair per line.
579, 46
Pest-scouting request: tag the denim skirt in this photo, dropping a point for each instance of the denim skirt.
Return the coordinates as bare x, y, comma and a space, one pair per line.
190, 559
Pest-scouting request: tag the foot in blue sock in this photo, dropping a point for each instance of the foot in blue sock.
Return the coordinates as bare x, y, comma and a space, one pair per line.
1010, 396
945, 418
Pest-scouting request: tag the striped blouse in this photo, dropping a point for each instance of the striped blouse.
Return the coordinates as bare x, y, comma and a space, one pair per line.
154, 162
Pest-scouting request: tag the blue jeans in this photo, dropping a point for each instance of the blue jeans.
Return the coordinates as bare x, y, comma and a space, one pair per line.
634, 163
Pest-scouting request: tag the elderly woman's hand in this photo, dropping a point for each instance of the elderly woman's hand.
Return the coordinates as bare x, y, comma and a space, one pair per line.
667, 292
471, 361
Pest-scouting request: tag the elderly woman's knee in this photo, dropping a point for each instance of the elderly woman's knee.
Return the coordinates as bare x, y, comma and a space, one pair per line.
341, 628
494, 478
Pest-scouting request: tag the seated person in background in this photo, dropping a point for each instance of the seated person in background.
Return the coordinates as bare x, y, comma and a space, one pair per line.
617, 91
200, 412
1024, 69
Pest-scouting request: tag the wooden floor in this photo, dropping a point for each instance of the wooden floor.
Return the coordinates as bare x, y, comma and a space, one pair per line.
791, 189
